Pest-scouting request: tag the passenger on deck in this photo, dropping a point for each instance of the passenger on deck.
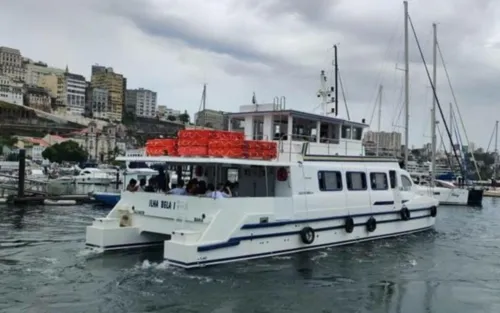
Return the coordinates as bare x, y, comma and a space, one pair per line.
202, 187
132, 185
210, 190
221, 192
151, 185
234, 190
192, 187
179, 189
161, 180
142, 184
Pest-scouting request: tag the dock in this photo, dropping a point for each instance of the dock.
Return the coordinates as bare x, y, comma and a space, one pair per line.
492, 193
19, 190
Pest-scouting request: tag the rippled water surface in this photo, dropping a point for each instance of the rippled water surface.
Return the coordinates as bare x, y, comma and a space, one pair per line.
452, 269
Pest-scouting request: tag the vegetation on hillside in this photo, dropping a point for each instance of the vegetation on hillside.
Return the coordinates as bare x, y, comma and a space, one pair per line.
68, 151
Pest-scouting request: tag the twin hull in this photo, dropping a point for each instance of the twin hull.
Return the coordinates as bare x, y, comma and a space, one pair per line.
217, 231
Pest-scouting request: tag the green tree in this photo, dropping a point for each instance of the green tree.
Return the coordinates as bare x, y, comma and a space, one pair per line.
171, 118
7, 141
67, 151
112, 154
12, 157
184, 117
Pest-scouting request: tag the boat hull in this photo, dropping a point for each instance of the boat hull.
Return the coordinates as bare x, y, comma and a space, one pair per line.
107, 198
288, 242
455, 196
190, 242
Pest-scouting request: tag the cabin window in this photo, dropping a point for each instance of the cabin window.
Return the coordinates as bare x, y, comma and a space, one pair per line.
406, 182
330, 181
232, 174
356, 181
378, 181
357, 133
346, 132
392, 179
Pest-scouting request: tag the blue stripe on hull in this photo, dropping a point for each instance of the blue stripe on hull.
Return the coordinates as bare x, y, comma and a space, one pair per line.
232, 242
289, 251
322, 219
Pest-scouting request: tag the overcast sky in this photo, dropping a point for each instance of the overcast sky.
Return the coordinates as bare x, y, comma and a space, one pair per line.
275, 48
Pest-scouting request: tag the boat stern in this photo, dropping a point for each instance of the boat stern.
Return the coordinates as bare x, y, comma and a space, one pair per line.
182, 249
113, 234
475, 197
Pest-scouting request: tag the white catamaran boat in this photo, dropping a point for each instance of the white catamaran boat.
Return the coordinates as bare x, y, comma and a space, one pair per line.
318, 191
308, 198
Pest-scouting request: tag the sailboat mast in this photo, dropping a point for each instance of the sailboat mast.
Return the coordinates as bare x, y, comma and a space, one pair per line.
451, 128
496, 151
379, 117
407, 87
433, 117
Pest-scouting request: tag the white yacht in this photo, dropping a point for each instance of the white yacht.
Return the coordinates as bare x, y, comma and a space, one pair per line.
447, 193
319, 191
93, 176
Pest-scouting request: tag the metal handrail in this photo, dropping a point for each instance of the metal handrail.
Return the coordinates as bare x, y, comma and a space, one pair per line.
309, 139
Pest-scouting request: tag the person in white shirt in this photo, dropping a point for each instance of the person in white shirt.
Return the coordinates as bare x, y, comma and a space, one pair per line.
221, 192
179, 189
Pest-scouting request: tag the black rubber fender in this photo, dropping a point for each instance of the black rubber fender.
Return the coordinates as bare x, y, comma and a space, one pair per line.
405, 214
307, 235
433, 211
349, 225
371, 224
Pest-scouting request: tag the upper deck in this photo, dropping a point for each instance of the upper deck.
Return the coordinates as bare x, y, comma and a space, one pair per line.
291, 129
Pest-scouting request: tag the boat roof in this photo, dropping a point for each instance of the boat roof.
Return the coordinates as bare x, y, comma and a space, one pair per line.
206, 160
299, 114
141, 170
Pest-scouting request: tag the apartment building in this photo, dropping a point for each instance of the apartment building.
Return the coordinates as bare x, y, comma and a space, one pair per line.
11, 63
50, 83
163, 112
74, 86
389, 143
36, 70
211, 118
37, 98
99, 103
11, 90
141, 102
115, 84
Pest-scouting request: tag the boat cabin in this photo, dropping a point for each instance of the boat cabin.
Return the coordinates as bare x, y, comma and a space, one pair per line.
326, 135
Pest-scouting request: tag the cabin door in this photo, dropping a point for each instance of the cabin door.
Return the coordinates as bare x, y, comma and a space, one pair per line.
284, 200
396, 190
300, 193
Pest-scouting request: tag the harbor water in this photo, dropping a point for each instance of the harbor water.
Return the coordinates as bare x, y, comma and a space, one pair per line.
453, 268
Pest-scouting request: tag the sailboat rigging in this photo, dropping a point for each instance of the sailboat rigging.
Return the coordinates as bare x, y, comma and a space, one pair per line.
436, 97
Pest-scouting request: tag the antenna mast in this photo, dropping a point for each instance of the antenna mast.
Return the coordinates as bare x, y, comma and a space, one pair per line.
336, 89
325, 92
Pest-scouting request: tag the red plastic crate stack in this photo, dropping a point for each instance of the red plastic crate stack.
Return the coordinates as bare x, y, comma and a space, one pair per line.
193, 142
255, 149
226, 144
160, 147
203, 142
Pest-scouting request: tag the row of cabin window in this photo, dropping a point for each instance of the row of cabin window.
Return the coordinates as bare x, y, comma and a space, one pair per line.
332, 181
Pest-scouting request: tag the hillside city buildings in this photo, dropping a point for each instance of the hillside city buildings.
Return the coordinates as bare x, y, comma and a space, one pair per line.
103, 103
141, 102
